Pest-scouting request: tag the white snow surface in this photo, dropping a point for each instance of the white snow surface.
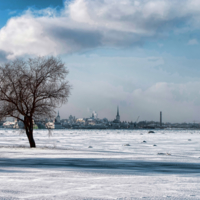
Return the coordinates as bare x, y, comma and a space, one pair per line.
100, 164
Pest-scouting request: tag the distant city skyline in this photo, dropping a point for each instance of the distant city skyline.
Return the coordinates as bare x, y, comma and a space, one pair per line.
93, 122
143, 64
118, 118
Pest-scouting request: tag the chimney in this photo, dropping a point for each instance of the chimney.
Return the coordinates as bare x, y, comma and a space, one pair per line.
160, 118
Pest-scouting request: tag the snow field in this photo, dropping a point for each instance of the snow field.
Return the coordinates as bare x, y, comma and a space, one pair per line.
120, 164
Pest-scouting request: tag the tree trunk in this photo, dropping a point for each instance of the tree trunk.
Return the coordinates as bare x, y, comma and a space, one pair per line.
30, 138
28, 125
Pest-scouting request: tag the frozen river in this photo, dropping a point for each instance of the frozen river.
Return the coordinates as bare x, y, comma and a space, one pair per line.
100, 164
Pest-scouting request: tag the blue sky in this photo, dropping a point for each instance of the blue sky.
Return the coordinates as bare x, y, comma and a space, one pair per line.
11, 8
142, 55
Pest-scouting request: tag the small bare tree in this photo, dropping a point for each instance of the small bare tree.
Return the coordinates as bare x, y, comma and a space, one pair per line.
32, 89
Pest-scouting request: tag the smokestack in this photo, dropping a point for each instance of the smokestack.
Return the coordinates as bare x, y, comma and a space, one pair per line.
160, 118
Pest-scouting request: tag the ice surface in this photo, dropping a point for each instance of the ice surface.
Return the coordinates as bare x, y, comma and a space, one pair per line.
118, 166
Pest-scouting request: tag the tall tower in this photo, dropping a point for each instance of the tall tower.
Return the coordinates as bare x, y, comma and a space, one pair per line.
160, 118
118, 116
58, 118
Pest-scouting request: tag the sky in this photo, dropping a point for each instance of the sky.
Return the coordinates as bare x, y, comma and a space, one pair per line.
140, 55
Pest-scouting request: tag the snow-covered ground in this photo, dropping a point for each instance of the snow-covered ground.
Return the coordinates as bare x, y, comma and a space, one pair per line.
100, 164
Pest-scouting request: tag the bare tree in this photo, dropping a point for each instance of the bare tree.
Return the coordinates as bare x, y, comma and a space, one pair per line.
32, 89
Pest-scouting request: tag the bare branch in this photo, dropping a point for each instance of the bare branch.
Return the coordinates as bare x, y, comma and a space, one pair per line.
32, 89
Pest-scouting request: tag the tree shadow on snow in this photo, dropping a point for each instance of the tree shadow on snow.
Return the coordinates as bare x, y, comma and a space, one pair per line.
107, 165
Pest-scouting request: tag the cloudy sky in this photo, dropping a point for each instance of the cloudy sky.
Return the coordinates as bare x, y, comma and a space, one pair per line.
143, 55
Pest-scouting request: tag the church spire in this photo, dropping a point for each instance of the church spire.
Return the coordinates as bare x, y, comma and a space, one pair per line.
117, 110
118, 116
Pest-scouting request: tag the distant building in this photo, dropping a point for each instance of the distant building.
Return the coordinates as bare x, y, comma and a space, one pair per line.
118, 116
160, 118
72, 119
58, 118
117, 120
91, 122
9, 124
50, 125
57, 124
94, 115
80, 120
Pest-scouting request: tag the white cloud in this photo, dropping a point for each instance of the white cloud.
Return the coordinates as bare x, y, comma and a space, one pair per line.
138, 85
85, 24
193, 42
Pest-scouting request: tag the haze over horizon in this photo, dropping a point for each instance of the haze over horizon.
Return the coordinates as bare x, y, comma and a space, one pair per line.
141, 55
